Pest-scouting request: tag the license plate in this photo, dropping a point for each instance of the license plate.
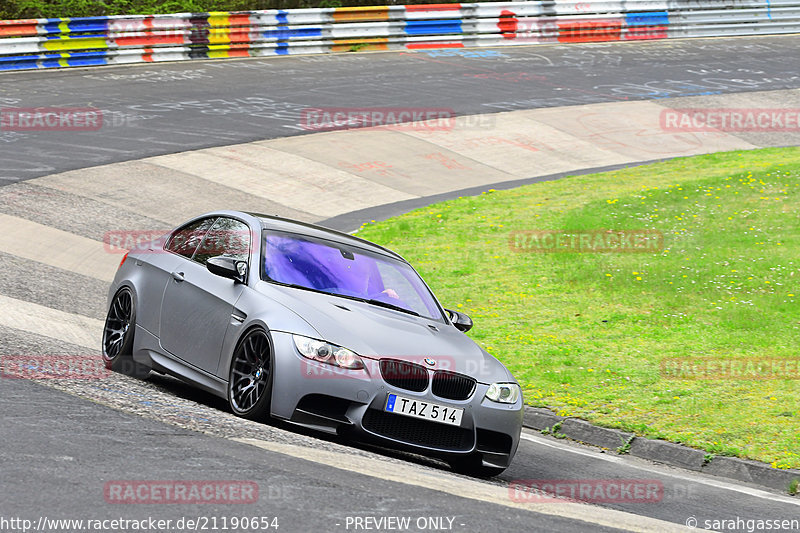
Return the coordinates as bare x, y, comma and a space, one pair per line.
424, 410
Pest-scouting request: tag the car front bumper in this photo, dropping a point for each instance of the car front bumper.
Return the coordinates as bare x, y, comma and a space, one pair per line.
327, 398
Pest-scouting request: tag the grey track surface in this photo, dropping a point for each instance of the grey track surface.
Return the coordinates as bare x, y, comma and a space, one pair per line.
165, 108
58, 449
303, 496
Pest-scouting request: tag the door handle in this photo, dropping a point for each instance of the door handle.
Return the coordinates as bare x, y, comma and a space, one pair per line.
177, 276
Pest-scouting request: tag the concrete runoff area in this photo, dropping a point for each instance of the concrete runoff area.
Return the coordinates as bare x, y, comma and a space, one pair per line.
321, 175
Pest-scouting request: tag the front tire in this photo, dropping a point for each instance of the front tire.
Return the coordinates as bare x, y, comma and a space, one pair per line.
250, 377
118, 336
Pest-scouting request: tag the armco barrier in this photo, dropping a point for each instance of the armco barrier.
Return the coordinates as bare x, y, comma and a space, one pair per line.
46, 43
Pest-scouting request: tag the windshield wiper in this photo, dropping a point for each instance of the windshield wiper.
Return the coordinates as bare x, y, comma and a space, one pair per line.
381, 303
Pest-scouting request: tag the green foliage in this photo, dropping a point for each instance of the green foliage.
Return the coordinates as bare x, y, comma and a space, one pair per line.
554, 431
17, 9
625, 448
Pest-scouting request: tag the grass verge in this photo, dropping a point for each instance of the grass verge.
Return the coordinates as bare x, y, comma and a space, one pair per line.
593, 335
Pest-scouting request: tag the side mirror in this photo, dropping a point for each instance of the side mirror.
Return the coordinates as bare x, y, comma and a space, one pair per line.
461, 321
228, 267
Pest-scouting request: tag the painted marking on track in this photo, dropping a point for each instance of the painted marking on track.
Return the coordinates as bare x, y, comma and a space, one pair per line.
56, 247
466, 488
40, 320
662, 471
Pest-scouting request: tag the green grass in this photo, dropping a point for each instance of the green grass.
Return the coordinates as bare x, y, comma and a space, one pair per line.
585, 333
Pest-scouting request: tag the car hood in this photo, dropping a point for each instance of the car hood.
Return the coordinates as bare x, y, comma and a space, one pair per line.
377, 332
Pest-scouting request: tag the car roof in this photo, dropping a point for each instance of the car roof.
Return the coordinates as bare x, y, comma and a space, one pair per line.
275, 222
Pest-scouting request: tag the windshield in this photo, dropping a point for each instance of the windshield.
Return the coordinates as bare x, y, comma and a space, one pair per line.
343, 270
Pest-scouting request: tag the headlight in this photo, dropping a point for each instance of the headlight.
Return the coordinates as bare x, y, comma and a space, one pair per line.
503, 392
324, 352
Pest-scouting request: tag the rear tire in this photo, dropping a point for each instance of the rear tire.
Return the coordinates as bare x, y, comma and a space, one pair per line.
250, 376
118, 336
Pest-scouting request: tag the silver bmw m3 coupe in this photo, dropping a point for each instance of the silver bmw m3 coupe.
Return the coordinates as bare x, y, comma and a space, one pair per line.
316, 327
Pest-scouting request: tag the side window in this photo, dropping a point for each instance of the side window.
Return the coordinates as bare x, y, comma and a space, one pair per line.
186, 239
227, 237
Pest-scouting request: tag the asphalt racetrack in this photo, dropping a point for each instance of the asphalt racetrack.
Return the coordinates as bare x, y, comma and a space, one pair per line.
166, 108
